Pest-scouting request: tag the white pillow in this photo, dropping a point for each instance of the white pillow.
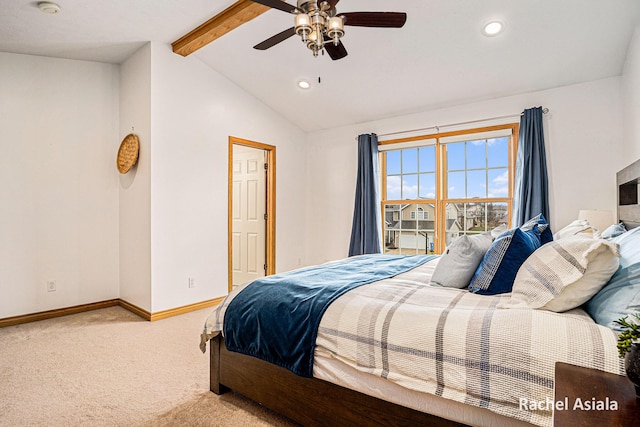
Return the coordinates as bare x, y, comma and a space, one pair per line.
564, 274
498, 230
577, 227
460, 260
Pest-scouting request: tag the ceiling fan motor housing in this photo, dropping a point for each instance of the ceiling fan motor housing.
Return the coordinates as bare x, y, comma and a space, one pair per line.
308, 6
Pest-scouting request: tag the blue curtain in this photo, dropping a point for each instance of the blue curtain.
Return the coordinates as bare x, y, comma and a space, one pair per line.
531, 188
365, 230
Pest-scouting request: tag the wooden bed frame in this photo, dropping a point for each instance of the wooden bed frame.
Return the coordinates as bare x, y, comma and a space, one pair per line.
308, 401
314, 402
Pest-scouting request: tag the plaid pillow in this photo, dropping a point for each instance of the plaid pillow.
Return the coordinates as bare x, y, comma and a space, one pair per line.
564, 274
497, 271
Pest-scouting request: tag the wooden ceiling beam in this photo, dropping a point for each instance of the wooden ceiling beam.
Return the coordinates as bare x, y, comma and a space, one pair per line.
229, 19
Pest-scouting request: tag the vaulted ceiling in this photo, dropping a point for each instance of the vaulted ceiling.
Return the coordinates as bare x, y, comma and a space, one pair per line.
439, 58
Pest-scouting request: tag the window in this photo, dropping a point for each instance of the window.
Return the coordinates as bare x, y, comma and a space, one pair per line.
438, 187
420, 214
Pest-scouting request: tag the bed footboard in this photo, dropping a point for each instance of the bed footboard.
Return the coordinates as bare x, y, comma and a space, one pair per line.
308, 401
214, 365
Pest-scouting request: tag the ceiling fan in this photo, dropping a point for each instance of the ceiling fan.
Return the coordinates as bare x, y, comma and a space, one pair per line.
320, 27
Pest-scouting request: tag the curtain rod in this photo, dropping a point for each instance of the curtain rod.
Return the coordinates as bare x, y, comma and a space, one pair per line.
437, 128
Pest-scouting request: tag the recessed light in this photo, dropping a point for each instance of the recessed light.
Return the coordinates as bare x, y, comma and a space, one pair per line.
492, 28
303, 84
48, 7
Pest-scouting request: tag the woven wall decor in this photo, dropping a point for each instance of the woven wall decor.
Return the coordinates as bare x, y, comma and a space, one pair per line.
128, 153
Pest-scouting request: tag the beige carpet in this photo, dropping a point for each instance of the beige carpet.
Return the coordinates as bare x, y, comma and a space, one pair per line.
110, 368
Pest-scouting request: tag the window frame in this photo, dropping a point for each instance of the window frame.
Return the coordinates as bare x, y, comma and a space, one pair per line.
441, 199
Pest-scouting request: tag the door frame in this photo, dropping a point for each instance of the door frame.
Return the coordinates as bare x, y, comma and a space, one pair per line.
270, 237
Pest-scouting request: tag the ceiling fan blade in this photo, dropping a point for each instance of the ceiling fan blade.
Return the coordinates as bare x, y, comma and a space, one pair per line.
335, 52
274, 40
277, 4
375, 19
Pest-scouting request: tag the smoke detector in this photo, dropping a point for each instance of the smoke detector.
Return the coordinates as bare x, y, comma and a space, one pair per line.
48, 7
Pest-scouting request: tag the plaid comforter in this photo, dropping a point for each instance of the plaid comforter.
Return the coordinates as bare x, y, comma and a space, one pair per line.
456, 344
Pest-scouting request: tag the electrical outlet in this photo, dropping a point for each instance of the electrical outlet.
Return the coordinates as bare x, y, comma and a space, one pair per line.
192, 282
51, 285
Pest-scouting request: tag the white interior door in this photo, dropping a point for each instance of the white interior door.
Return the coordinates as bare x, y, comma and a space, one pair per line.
249, 208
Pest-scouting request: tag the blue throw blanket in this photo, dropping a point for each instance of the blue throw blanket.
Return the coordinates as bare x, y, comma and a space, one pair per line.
276, 318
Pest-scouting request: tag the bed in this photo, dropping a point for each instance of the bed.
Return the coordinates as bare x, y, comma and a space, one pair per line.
400, 351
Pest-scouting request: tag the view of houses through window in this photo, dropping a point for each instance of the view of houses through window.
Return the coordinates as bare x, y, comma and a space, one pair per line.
438, 187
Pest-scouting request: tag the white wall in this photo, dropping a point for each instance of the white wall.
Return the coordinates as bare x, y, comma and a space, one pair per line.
631, 102
583, 141
67, 214
135, 186
194, 110
59, 191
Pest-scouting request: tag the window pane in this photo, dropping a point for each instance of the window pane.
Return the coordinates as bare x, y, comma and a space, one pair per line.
425, 240
497, 214
475, 218
455, 156
410, 160
453, 226
498, 152
409, 187
409, 229
477, 183
408, 241
427, 186
427, 159
456, 185
393, 162
498, 183
391, 228
476, 155
394, 187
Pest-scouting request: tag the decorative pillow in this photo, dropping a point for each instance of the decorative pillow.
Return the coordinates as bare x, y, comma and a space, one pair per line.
613, 231
460, 260
543, 226
621, 296
498, 269
577, 227
498, 230
564, 274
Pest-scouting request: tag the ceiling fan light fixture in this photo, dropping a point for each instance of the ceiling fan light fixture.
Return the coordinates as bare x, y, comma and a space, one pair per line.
335, 29
314, 43
303, 25
492, 28
49, 8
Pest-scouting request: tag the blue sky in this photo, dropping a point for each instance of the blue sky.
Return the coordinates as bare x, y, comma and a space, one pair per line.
411, 171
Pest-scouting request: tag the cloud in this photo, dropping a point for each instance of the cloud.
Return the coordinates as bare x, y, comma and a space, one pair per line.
394, 186
409, 191
499, 186
503, 178
493, 141
397, 188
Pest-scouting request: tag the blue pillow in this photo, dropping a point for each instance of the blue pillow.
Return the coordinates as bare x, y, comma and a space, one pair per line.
613, 231
621, 295
497, 271
546, 235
